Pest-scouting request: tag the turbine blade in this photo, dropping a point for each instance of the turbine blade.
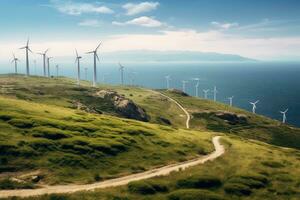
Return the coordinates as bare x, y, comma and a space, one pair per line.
97, 57
27, 42
46, 51
76, 53
98, 46
89, 52
23, 48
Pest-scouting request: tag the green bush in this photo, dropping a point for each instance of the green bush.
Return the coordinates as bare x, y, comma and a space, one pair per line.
7, 184
42, 145
5, 117
49, 133
193, 194
141, 187
21, 123
57, 197
252, 181
272, 164
199, 182
237, 189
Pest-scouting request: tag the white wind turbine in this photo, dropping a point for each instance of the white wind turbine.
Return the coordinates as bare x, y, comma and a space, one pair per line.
121, 69
184, 85
48, 66
27, 49
15, 60
284, 115
78, 66
215, 93
57, 68
197, 86
254, 106
168, 78
95, 64
205, 93
231, 101
44, 54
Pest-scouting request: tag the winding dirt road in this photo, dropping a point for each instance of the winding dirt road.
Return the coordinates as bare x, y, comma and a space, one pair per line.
163, 171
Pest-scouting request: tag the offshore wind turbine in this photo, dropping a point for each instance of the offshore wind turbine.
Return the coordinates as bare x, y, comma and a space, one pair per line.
215, 93
197, 86
48, 66
15, 60
254, 106
184, 85
27, 49
121, 69
284, 115
78, 66
168, 78
44, 54
205, 93
95, 64
231, 101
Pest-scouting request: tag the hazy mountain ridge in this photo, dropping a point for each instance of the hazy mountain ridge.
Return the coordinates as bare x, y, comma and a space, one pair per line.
172, 56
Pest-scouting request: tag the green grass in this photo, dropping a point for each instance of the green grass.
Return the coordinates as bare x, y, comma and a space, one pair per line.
241, 173
73, 146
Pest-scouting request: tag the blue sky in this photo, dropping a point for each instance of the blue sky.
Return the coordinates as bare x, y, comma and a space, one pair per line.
261, 29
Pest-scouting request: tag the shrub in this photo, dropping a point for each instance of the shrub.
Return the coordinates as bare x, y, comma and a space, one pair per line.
199, 182
58, 197
141, 187
237, 189
7, 184
49, 133
252, 181
5, 117
21, 123
193, 194
97, 177
272, 164
42, 145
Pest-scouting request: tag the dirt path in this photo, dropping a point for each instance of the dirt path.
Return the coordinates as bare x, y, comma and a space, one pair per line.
163, 171
188, 117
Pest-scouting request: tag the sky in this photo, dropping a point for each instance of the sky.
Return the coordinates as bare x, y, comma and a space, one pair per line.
259, 29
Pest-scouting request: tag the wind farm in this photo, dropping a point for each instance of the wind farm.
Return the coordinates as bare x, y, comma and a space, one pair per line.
149, 100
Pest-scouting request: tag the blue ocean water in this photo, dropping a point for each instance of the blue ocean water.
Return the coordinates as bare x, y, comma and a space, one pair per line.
276, 85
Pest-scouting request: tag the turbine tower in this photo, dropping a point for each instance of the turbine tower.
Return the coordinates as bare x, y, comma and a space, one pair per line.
168, 78
27, 49
284, 115
78, 67
231, 101
95, 64
254, 106
44, 54
121, 69
15, 60
57, 68
184, 85
48, 66
205, 93
215, 93
85, 73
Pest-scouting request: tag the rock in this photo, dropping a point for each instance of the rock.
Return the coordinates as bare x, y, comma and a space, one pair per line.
179, 92
36, 178
124, 106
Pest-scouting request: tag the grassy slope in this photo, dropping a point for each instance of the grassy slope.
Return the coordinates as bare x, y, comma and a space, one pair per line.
59, 140
248, 170
258, 127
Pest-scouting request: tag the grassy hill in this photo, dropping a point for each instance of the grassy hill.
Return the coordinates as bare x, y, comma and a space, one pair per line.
46, 139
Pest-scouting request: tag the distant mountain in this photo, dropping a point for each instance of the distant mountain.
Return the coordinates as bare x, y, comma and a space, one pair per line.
172, 56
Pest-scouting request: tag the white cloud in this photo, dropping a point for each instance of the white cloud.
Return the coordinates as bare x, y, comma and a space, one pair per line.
224, 25
90, 23
74, 8
134, 9
141, 21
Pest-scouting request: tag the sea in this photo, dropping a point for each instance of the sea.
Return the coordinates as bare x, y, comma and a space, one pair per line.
275, 84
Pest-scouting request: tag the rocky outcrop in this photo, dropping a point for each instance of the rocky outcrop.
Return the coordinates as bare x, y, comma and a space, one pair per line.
179, 92
229, 117
124, 106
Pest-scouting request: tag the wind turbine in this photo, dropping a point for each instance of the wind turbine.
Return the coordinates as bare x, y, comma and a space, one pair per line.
27, 49
95, 64
284, 115
57, 68
78, 67
197, 86
85, 73
254, 106
44, 54
15, 60
48, 66
205, 93
168, 78
215, 93
184, 85
121, 69
230, 100
34, 62
132, 76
